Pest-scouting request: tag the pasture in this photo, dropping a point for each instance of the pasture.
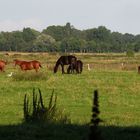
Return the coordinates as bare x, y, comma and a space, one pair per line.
113, 75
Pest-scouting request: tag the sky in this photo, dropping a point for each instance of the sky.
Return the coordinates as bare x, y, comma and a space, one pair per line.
117, 15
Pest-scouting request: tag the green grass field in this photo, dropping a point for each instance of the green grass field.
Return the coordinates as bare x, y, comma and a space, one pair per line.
119, 97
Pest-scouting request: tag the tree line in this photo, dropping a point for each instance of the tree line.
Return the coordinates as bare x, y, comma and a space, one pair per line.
69, 39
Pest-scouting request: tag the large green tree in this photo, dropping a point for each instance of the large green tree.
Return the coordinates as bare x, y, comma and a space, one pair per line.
43, 43
69, 39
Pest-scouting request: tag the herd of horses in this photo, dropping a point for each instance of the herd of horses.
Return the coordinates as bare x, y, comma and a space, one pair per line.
74, 65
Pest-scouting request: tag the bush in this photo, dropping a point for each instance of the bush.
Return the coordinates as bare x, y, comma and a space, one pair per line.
40, 113
130, 53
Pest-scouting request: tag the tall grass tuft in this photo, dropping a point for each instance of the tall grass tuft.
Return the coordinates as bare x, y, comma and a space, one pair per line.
30, 76
95, 133
40, 113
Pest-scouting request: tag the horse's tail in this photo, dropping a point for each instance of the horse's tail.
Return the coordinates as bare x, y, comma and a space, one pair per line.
79, 66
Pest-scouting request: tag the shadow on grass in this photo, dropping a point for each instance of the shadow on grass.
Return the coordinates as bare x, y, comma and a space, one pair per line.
43, 132
121, 133
65, 132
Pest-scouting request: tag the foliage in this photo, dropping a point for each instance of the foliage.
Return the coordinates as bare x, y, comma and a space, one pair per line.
68, 39
94, 130
130, 53
40, 113
71, 45
43, 43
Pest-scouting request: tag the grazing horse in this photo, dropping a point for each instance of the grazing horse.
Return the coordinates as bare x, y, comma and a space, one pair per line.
64, 60
28, 65
78, 67
2, 65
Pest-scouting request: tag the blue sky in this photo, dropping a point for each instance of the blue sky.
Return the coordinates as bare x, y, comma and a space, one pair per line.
116, 15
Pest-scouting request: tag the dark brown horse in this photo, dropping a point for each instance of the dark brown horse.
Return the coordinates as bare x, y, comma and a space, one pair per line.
2, 65
78, 67
28, 65
64, 60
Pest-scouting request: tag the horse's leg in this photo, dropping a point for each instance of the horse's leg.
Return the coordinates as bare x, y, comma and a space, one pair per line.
36, 70
76, 69
62, 68
69, 69
22, 68
3, 69
73, 68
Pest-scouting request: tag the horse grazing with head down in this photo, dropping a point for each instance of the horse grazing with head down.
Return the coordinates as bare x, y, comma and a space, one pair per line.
64, 60
2, 65
78, 67
28, 65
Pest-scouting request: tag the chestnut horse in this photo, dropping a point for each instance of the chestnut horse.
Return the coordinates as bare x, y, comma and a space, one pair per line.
2, 65
64, 60
28, 65
78, 67
18, 62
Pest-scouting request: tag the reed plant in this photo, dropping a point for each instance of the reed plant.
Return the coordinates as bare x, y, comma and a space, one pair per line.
40, 113
95, 133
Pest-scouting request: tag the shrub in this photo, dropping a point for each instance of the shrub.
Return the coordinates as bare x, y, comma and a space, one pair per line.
130, 53
40, 113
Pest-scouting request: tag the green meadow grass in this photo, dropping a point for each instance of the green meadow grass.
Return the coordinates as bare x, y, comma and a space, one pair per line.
119, 100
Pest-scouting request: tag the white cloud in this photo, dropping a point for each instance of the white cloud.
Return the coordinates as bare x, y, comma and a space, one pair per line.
10, 25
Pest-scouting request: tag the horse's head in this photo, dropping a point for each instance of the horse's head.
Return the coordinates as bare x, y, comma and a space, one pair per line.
17, 62
55, 69
58, 62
